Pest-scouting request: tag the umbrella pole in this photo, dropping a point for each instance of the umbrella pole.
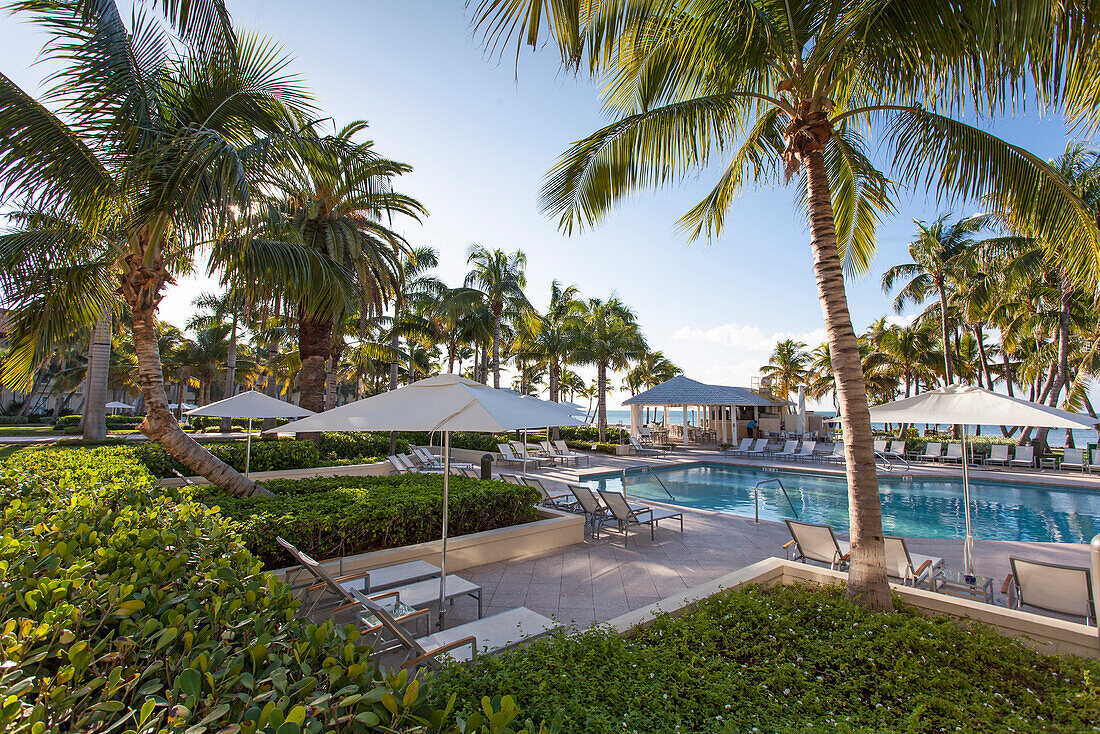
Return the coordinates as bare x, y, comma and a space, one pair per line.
523, 458
968, 544
446, 507
247, 448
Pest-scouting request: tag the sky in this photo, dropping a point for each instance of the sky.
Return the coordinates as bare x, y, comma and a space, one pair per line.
481, 133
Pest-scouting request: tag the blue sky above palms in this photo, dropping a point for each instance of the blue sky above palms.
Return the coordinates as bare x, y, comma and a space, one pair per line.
481, 138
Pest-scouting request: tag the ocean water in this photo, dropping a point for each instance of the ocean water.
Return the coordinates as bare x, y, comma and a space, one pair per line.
1056, 437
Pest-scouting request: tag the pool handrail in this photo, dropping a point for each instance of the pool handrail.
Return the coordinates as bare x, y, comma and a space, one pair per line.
756, 498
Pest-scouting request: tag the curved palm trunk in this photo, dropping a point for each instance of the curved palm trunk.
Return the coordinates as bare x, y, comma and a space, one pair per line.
554, 397
141, 286
979, 335
601, 403
867, 582
230, 373
496, 352
945, 335
95, 391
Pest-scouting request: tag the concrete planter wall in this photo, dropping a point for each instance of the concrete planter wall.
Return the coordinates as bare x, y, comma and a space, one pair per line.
1044, 634
553, 529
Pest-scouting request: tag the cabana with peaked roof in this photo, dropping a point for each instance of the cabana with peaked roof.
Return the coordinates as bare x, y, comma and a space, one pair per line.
724, 411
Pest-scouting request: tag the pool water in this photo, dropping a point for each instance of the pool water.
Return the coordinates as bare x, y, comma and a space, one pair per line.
913, 506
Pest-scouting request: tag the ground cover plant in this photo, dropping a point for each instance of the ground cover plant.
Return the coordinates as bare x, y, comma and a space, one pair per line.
126, 607
788, 659
329, 517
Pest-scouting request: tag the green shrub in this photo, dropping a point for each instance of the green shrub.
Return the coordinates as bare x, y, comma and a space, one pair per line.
358, 448
69, 423
266, 456
789, 659
459, 439
207, 423
329, 517
602, 448
18, 420
127, 608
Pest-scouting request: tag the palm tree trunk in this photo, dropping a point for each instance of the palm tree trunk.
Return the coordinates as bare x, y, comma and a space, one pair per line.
945, 335
314, 347
141, 287
496, 352
230, 372
867, 582
978, 336
95, 383
601, 403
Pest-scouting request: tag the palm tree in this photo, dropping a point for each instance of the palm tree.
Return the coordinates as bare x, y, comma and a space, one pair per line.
652, 369
786, 89
547, 338
939, 253
154, 136
786, 367
606, 336
501, 278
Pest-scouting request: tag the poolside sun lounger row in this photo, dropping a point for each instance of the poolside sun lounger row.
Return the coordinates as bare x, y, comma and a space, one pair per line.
815, 542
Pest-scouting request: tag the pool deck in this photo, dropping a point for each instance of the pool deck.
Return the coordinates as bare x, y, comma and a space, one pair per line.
598, 580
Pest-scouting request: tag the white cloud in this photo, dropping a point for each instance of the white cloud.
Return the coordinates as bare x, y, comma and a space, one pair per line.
747, 338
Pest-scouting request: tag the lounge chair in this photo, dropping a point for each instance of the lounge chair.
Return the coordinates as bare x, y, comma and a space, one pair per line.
806, 452
595, 513
399, 466
759, 449
954, 453
552, 453
1025, 456
913, 569
465, 642
524, 451
556, 499
896, 450
1051, 587
837, 455
626, 516
643, 450
506, 454
746, 444
813, 542
420, 467
790, 448
932, 451
1073, 459
998, 454
564, 450
512, 479
471, 473
880, 447
1094, 461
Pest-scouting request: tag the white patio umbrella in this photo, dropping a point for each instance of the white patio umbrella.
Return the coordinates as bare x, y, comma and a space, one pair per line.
118, 405
801, 420
443, 403
965, 405
251, 405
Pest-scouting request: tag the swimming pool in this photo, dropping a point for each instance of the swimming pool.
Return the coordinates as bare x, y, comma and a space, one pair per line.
917, 506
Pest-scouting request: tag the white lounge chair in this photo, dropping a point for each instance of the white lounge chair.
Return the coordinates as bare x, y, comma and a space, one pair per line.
564, 450
998, 454
399, 466
462, 643
913, 569
643, 450
954, 453
1094, 461
421, 468
759, 449
1051, 587
523, 451
1073, 459
813, 542
1025, 456
806, 452
511, 479
627, 516
837, 454
880, 447
506, 454
896, 450
932, 451
471, 473
556, 455
745, 445
790, 448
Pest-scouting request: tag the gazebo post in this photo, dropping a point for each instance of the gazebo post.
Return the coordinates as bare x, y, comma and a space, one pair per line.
684, 422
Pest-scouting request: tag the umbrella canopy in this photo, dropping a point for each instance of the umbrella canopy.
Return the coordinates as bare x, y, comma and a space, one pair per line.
119, 405
186, 406
250, 404
441, 403
801, 422
958, 404
969, 404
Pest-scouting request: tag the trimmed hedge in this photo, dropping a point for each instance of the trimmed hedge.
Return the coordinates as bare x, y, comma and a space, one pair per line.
329, 517
127, 608
789, 659
114, 422
266, 456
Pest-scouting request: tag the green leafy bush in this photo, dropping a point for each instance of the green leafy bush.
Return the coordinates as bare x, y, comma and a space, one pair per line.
266, 456
18, 420
602, 448
114, 422
207, 423
358, 448
459, 439
789, 659
329, 517
128, 608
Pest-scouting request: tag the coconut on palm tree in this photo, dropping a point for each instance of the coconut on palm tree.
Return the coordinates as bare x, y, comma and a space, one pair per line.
774, 91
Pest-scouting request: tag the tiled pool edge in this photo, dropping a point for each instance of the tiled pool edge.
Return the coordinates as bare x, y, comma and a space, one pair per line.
1044, 634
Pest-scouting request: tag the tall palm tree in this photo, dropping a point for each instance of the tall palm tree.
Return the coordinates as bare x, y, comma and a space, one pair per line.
547, 337
787, 367
652, 369
607, 337
155, 135
939, 254
501, 278
786, 89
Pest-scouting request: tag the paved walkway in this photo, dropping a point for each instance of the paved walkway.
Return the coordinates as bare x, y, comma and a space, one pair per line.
599, 579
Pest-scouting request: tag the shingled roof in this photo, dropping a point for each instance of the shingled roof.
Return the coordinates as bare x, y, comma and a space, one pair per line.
682, 390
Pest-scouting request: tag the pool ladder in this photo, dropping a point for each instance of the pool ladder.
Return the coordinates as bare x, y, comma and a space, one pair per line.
756, 497
646, 470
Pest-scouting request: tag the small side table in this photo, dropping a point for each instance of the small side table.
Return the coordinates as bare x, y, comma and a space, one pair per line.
1048, 462
956, 583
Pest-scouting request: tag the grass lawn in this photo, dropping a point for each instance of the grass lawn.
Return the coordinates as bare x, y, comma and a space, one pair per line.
782, 660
